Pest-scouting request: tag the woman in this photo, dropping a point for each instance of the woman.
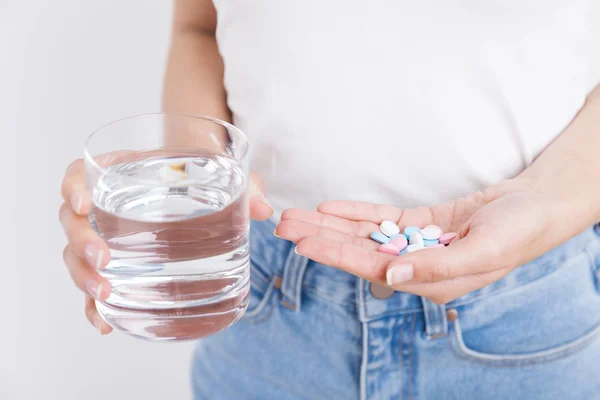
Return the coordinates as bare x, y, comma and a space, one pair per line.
479, 117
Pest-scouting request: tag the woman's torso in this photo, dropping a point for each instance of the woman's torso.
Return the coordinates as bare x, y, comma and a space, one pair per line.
408, 103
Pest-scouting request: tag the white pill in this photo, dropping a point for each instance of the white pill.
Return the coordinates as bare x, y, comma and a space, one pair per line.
431, 232
416, 238
414, 247
388, 228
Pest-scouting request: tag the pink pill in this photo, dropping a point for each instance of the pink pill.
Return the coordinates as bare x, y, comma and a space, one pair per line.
399, 241
389, 249
434, 246
446, 238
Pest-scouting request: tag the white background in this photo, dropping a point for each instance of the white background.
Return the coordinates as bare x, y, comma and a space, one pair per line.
67, 67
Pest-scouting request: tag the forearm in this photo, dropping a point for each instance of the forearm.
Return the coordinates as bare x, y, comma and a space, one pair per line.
193, 82
568, 171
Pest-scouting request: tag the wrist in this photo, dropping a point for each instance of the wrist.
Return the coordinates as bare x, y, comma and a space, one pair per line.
571, 205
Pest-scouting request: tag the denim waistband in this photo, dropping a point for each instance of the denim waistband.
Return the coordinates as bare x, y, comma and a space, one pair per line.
276, 258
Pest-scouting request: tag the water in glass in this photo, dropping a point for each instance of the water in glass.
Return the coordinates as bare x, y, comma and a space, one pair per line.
179, 251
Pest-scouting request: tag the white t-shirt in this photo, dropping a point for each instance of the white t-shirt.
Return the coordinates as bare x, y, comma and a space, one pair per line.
401, 102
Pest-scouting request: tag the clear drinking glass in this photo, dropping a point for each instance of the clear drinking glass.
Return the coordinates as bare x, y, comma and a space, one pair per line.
170, 199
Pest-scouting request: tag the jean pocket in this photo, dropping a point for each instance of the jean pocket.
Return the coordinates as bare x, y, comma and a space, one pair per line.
262, 287
521, 359
542, 321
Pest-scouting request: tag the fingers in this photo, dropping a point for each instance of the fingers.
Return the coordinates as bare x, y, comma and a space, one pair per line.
361, 211
260, 209
84, 244
84, 277
83, 240
90, 282
295, 231
73, 188
446, 291
357, 260
441, 214
358, 228
92, 315
441, 274
371, 265
470, 255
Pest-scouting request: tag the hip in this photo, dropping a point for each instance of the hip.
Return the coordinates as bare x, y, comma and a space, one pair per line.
314, 332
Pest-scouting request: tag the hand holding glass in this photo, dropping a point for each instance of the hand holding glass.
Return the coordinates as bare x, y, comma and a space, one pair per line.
170, 199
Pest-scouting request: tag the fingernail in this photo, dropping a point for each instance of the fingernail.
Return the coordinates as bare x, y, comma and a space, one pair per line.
98, 326
266, 201
76, 202
93, 256
275, 234
399, 273
296, 250
94, 289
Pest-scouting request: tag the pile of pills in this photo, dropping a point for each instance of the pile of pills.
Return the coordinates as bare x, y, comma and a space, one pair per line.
412, 239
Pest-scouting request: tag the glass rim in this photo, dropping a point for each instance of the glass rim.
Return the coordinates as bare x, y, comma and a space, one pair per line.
89, 159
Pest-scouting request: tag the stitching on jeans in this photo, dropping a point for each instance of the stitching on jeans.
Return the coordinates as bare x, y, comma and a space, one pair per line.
430, 321
265, 304
401, 354
365, 343
303, 266
410, 354
394, 313
438, 320
442, 321
459, 348
289, 273
363, 300
595, 270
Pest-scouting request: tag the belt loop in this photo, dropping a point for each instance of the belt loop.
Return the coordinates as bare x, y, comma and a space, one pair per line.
436, 324
293, 275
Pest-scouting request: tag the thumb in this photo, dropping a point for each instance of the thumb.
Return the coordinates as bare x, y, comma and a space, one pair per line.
468, 256
260, 209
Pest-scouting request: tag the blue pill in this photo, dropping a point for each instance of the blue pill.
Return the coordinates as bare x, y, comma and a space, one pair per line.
380, 237
428, 242
409, 230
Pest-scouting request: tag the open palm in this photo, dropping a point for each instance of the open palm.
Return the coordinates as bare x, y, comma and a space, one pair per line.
497, 230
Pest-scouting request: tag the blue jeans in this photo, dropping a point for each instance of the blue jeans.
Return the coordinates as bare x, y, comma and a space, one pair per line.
315, 332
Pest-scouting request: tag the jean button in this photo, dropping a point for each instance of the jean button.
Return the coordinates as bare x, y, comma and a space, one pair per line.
381, 292
451, 315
